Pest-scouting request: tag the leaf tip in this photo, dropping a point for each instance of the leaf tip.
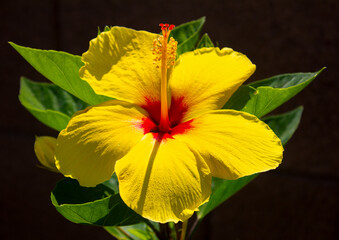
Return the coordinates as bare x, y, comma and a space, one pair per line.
322, 69
300, 108
13, 44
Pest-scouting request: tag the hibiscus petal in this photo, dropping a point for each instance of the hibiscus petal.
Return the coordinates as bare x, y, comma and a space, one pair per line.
119, 64
163, 181
206, 78
95, 138
234, 144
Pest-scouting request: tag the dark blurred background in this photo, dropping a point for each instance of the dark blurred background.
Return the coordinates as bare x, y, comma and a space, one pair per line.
297, 201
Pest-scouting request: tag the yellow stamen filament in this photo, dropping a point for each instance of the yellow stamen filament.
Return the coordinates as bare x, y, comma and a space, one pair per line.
165, 53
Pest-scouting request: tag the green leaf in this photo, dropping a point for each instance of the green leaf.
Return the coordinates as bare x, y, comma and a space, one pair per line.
106, 29
261, 97
284, 126
50, 104
99, 206
62, 69
138, 231
205, 41
112, 183
187, 35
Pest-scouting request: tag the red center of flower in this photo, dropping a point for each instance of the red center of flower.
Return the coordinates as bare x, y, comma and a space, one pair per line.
175, 116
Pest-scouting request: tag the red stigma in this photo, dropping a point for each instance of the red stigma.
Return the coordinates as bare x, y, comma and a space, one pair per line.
166, 27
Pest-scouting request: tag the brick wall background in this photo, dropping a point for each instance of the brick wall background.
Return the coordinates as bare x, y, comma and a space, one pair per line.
298, 201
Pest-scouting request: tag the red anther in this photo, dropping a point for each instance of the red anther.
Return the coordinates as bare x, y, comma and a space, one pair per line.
171, 27
161, 25
163, 28
166, 25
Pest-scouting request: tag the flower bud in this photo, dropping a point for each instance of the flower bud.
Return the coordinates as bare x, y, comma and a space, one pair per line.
44, 148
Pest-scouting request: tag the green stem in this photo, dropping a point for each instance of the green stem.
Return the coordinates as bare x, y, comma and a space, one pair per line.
183, 230
193, 228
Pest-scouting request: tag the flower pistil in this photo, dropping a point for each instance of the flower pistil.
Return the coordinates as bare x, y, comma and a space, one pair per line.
165, 52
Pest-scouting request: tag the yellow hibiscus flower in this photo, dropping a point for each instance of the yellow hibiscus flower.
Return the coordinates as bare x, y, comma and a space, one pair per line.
164, 135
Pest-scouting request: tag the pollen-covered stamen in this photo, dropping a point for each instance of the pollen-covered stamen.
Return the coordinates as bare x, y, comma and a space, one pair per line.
162, 44
171, 52
157, 51
165, 53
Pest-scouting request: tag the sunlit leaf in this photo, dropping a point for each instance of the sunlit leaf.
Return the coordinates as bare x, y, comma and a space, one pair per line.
62, 69
100, 206
261, 97
187, 35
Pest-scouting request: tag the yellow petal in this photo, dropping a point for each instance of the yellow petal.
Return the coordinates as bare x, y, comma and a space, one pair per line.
119, 64
95, 138
234, 144
163, 181
206, 78
44, 148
